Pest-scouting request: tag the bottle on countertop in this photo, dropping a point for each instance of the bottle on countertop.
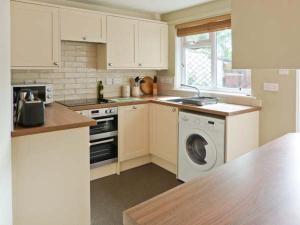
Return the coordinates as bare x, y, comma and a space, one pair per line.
155, 91
100, 89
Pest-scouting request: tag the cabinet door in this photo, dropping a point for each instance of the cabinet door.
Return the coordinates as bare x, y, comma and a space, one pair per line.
78, 25
164, 50
122, 39
164, 132
35, 38
152, 45
149, 44
133, 131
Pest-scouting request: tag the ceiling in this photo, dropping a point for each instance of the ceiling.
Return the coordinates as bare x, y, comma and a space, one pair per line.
154, 6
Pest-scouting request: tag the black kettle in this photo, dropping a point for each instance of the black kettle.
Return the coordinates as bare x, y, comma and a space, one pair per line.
30, 111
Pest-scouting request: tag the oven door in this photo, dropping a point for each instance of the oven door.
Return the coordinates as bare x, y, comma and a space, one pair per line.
103, 151
104, 125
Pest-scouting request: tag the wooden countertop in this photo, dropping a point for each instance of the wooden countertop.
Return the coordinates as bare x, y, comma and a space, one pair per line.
57, 117
220, 109
262, 187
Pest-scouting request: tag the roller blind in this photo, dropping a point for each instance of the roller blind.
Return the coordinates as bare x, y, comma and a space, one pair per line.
204, 26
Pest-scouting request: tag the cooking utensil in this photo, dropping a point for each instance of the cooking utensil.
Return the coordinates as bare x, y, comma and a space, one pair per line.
147, 85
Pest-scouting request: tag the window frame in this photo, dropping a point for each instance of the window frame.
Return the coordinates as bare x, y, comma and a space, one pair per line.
211, 42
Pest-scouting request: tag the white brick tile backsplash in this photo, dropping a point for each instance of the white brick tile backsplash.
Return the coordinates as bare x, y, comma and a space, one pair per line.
75, 75
77, 78
75, 86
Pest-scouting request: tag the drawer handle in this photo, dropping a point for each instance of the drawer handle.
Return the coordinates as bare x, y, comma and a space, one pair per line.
109, 64
55, 63
173, 109
140, 64
134, 107
84, 38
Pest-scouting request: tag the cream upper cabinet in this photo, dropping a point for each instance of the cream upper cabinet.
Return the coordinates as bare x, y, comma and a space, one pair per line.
149, 44
164, 43
133, 131
81, 25
153, 45
35, 40
122, 41
134, 44
164, 132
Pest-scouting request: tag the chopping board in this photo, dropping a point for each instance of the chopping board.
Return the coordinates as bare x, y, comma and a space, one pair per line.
147, 85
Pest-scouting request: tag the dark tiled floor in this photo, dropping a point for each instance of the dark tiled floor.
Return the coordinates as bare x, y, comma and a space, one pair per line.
110, 196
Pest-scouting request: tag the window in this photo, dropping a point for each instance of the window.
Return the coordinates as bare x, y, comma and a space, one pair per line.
206, 62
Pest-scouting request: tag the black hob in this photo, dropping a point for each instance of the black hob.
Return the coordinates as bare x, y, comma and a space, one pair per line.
83, 102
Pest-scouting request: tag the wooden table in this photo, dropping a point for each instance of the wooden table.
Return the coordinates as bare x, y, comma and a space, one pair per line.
262, 187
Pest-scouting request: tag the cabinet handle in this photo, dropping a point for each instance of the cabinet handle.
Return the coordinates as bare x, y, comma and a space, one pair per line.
173, 109
83, 38
134, 107
109, 64
140, 64
55, 63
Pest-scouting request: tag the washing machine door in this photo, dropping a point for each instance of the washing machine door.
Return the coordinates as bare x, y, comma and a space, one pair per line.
201, 150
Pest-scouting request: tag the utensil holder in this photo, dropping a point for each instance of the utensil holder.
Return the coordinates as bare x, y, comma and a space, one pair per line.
136, 91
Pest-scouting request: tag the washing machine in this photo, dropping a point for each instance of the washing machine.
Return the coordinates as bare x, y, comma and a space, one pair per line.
201, 145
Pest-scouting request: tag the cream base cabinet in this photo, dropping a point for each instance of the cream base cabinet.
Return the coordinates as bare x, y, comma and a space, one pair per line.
122, 43
81, 25
35, 39
133, 131
164, 132
153, 41
51, 178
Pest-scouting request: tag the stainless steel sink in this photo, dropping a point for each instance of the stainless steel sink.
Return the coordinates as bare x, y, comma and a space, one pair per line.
177, 100
199, 101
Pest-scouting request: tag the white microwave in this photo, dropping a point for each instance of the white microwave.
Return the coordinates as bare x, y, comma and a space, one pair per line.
41, 91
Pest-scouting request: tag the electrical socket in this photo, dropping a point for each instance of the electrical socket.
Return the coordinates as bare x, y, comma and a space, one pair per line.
109, 81
283, 72
271, 86
117, 81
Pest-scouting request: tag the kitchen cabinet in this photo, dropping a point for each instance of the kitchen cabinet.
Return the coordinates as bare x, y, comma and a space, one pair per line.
265, 36
164, 47
122, 38
35, 41
81, 25
51, 178
153, 41
133, 132
134, 44
164, 132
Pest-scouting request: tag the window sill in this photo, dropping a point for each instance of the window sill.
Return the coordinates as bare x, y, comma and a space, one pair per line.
216, 93
221, 93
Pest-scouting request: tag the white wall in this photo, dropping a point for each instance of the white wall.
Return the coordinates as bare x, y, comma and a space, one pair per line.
5, 115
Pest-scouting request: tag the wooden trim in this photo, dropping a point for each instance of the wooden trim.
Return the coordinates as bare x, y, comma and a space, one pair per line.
204, 26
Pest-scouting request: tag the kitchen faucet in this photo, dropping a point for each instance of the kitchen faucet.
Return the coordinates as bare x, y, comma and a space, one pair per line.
193, 87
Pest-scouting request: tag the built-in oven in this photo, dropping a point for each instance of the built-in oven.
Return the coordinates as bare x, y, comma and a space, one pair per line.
103, 136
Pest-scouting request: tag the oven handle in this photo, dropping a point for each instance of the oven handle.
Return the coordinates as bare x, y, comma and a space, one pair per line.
107, 119
101, 142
